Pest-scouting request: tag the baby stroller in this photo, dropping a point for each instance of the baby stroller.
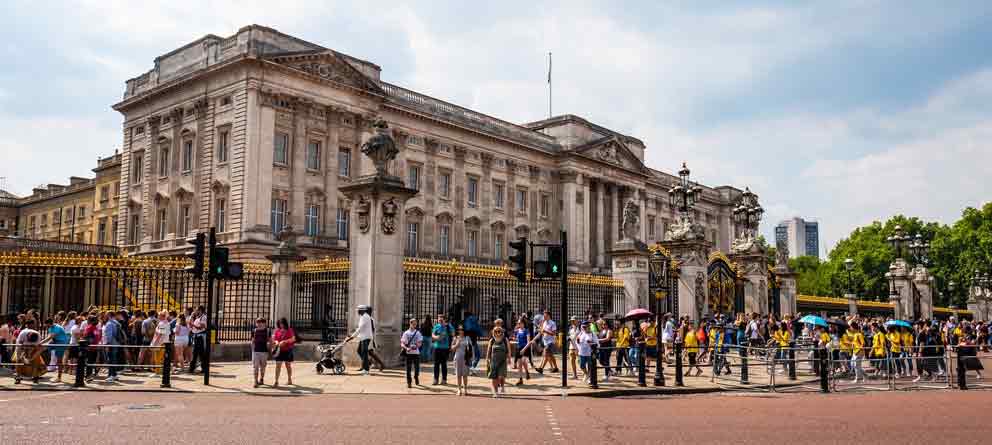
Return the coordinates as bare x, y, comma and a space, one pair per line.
329, 359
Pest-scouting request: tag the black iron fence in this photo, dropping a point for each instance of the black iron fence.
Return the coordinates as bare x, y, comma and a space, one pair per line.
48, 284
456, 289
320, 299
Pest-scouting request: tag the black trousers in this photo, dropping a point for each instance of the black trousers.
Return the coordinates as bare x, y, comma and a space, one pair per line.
4, 353
199, 351
441, 363
363, 352
622, 358
412, 368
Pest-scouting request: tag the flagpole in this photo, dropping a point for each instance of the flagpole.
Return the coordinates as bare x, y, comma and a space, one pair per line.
549, 85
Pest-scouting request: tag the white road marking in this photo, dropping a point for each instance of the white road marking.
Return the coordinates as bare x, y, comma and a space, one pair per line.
553, 423
36, 396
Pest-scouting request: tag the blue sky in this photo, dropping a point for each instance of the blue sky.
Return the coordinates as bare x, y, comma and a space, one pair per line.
844, 111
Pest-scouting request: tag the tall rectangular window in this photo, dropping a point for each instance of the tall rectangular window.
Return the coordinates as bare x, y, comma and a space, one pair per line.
342, 224
413, 177
134, 230
444, 239
313, 220
651, 230
162, 224
280, 148
137, 168
82, 213
522, 201
105, 193
278, 220
498, 246
412, 238
101, 232
221, 216
223, 140
344, 162
444, 186
473, 192
545, 205
473, 243
163, 162
499, 195
113, 233
187, 156
313, 155
185, 217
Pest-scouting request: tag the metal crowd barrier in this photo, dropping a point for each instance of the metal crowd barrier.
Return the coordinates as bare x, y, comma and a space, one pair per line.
804, 369
83, 370
964, 375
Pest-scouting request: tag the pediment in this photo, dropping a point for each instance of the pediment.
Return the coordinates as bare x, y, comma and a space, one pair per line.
612, 150
328, 65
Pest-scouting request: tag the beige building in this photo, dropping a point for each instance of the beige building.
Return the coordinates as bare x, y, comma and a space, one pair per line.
257, 130
84, 211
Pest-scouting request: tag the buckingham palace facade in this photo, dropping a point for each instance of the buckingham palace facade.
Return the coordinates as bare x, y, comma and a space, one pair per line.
256, 131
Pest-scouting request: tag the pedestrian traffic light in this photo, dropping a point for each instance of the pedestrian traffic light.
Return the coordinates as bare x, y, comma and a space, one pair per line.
221, 267
518, 260
552, 266
197, 255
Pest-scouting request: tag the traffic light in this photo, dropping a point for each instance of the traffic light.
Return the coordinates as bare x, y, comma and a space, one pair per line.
197, 256
519, 259
552, 266
221, 267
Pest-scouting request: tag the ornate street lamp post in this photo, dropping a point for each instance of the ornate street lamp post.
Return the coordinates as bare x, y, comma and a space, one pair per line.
898, 240
920, 250
660, 285
684, 194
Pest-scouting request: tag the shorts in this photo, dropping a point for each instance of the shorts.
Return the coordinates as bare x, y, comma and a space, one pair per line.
692, 359
285, 356
549, 348
59, 351
584, 361
181, 342
259, 360
652, 351
73, 352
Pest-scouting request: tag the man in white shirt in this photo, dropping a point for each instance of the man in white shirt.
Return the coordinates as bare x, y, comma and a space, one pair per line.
365, 334
198, 328
549, 330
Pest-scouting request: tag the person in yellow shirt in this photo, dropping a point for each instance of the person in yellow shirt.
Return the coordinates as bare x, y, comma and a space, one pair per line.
878, 353
908, 349
856, 342
782, 336
844, 346
623, 336
650, 330
895, 347
692, 349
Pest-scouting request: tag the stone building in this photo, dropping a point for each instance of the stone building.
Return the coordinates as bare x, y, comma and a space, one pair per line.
8, 213
84, 211
251, 132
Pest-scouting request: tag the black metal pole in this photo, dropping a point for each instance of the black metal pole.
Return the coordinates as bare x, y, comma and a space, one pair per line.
824, 369
792, 360
744, 370
659, 369
678, 363
81, 364
641, 372
564, 310
962, 376
167, 365
593, 380
210, 311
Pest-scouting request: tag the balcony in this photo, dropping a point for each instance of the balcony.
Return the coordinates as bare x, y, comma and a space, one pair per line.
16, 244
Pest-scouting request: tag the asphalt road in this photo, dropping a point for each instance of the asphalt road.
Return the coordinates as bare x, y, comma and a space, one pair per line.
900, 417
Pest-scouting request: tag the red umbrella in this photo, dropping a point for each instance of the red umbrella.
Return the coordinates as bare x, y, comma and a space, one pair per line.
638, 314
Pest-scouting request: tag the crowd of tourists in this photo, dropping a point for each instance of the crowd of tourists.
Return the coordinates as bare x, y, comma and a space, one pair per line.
115, 341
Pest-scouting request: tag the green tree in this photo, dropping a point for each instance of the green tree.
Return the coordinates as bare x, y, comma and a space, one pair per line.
811, 279
959, 251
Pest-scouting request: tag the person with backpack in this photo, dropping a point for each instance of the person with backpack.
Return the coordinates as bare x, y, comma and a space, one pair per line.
473, 331
441, 338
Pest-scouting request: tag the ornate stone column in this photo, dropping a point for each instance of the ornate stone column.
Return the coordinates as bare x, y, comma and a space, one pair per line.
283, 266
900, 293
754, 264
921, 279
601, 225
376, 248
630, 259
691, 254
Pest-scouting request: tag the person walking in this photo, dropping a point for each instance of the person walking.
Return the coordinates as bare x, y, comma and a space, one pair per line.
180, 342
284, 339
782, 337
162, 337
549, 331
522, 337
605, 339
584, 345
441, 341
198, 329
462, 348
58, 338
498, 354
473, 330
365, 334
649, 328
261, 346
410, 342
114, 337
623, 337
692, 348
968, 350
573, 348
856, 346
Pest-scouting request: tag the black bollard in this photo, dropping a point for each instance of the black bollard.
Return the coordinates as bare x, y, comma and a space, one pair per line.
824, 370
167, 366
744, 375
962, 374
81, 365
792, 360
678, 364
593, 368
642, 378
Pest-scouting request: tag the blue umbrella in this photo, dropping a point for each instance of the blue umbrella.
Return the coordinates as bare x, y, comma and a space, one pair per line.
813, 319
900, 323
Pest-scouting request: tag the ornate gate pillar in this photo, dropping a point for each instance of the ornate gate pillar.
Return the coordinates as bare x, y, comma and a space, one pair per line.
922, 280
753, 267
376, 248
787, 282
630, 265
691, 256
283, 266
900, 293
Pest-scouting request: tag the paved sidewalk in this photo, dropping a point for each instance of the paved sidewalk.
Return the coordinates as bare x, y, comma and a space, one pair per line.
236, 377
